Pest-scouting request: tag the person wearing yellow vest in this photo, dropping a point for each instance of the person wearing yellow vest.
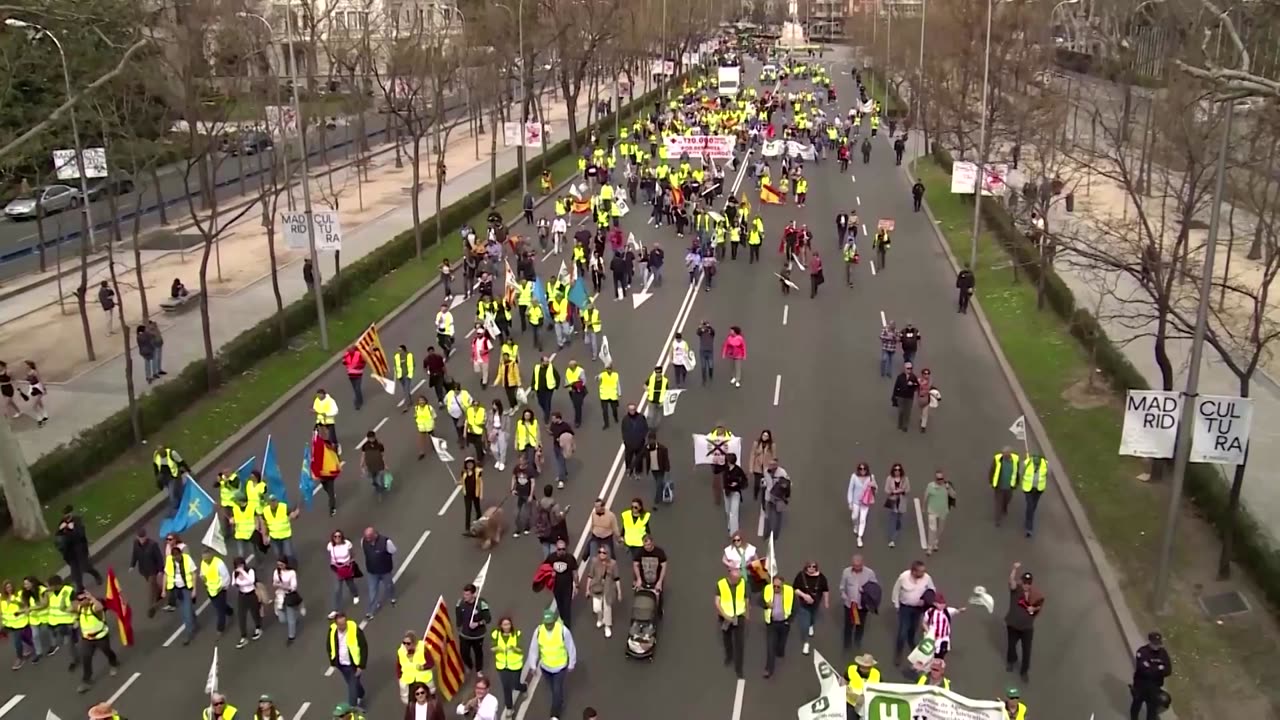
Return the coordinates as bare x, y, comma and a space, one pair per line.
528, 439
508, 376
37, 598
103, 711
535, 324
592, 327
1013, 707
403, 360
554, 654
216, 578
229, 485
180, 589
424, 419
61, 614
95, 637
861, 673
170, 470
16, 622
244, 523
936, 675
635, 526
575, 381
255, 491
779, 602
1004, 477
278, 520
508, 659
326, 409
731, 604
802, 190
219, 708
545, 382
1035, 478
560, 318
348, 654
476, 419
413, 665
655, 392
609, 387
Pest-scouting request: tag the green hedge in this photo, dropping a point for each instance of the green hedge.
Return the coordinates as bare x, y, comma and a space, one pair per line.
97, 447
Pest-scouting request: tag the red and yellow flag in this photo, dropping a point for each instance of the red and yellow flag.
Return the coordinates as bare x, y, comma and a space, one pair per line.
770, 195
442, 644
581, 206
371, 347
115, 602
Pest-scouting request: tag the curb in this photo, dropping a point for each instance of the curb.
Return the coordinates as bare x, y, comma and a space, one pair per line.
1106, 573
152, 506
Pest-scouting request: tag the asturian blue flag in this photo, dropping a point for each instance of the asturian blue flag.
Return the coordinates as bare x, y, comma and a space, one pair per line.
578, 294
540, 296
271, 473
306, 483
196, 506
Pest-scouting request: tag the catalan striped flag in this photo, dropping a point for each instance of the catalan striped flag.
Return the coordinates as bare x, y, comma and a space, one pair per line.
442, 643
115, 602
371, 347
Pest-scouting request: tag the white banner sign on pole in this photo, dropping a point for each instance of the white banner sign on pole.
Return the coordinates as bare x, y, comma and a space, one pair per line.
95, 163
1150, 423
963, 175
293, 225
1220, 434
711, 451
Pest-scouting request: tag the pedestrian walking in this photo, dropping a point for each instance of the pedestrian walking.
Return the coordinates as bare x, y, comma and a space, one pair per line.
575, 381
353, 362
564, 585
217, 581
897, 486
147, 351
1151, 666
471, 482
424, 420
562, 446
373, 464
602, 529
939, 496
657, 460
107, 300
471, 615
554, 654
545, 382
909, 340
95, 638
549, 522
929, 397
434, 364
734, 482
888, 348
777, 496
816, 278
508, 660
707, 350
147, 559
73, 545
917, 195
861, 497
8, 392
609, 388
813, 594
779, 604
1025, 603
1035, 478
735, 351
477, 428
37, 392
348, 654
499, 436
481, 345
906, 392
345, 570
289, 607
404, 370
522, 490
601, 584
379, 566
908, 597
965, 283
248, 603
763, 452
860, 594
635, 433
528, 440
1004, 476
309, 274
731, 604
682, 360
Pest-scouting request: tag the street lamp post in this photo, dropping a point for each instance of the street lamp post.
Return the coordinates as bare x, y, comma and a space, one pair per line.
71, 112
979, 176
521, 155
919, 90
317, 284
663, 59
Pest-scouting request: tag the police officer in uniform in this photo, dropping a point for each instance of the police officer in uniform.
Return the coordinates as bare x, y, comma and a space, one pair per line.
1151, 666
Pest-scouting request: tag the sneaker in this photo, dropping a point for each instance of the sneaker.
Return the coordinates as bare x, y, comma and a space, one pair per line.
355, 600
515, 534
810, 634
859, 541
892, 544
560, 484
608, 632
244, 642
599, 623
82, 688
112, 671
257, 633
804, 649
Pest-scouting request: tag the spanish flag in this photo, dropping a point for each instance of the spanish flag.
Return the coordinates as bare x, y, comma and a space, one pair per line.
115, 602
581, 206
442, 644
324, 459
770, 195
371, 347
677, 197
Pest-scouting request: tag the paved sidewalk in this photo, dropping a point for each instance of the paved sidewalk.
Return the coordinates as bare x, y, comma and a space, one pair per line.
1260, 496
82, 394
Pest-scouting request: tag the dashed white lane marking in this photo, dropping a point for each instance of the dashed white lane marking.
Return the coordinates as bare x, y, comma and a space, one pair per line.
852, 178
924, 544
786, 311
116, 695
777, 389
738, 691
452, 496
883, 321
873, 268
412, 391
376, 428
864, 229
858, 198
13, 702
302, 711
203, 606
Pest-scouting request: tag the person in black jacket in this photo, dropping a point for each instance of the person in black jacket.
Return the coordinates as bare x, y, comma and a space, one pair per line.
148, 560
964, 287
620, 269
635, 433
73, 546
917, 194
657, 461
472, 617
905, 388
1151, 665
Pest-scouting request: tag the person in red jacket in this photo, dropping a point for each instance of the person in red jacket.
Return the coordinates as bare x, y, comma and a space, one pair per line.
353, 360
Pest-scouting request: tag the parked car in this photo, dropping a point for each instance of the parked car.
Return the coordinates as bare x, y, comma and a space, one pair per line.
118, 183
52, 198
247, 143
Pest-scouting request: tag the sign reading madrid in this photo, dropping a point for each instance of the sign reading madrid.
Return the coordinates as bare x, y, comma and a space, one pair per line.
1150, 423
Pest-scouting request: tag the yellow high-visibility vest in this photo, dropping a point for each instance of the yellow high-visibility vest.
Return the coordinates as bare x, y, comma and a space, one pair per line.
526, 434
609, 385
857, 684
404, 365
733, 599
656, 389
788, 597
544, 377
229, 487
475, 419
924, 680
39, 616
60, 606
507, 654
525, 298
444, 323
92, 627
573, 375
1035, 475
999, 466
326, 410
11, 615
165, 461
591, 319
560, 310
242, 519
228, 712
188, 572
352, 642
411, 666
279, 526
1021, 714
425, 417
254, 492
634, 528
210, 575
551, 648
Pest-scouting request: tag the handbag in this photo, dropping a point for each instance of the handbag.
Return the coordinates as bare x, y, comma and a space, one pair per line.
292, 599
868, 495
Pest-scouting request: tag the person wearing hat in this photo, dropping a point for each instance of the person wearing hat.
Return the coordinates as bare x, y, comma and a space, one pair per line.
861, 673
1151, 666
267, 709
1014, 709
219, 708
345, 711
936, 675
103, 711
1025, 604
348, 653
554, 654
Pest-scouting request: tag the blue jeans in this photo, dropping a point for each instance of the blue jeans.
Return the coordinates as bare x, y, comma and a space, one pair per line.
895, 525
593, 342
380, 584
18, 638
406, 384
563, 331
808, 616
284, 548
908, 628
555, 680
886, 363
708, 368
355, 688
338, 584
289, 616
773, 521
182, 598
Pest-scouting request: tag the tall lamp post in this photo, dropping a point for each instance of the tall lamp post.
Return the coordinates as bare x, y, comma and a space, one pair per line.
522, 156
979, 176
317, 283
919, 90
38, 32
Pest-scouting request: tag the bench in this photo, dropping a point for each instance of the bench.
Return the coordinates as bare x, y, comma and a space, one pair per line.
178, 304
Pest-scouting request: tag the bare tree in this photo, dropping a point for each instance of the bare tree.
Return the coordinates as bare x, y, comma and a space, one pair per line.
579, 33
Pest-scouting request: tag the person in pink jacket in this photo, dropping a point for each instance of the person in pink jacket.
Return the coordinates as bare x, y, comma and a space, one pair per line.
735, 349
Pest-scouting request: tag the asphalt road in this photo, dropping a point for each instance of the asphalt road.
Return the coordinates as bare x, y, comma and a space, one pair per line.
811, 377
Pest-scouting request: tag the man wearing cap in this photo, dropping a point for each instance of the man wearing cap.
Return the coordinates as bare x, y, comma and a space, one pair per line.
1013, 707
936, 676
1025, 604
860, 674
345, 711
267, 709
1151, 666
348, 653
103, 711
553, 653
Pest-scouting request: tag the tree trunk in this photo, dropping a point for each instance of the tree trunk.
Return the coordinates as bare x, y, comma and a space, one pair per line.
131, 393
416, 185
82, 292
210, 237
135, 231
19, 490
493, 156
155, 183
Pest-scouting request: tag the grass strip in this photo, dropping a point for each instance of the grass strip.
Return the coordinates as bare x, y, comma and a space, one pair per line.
107, 497
1084, 429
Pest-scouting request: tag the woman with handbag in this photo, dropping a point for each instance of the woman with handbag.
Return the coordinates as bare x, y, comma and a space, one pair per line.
248, 605
860, 497
345, 569
289, 607
896, 487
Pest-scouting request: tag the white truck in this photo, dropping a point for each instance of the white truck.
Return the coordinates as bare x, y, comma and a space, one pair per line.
730, 80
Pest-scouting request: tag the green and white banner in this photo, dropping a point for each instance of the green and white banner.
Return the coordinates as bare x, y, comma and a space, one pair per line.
895, 701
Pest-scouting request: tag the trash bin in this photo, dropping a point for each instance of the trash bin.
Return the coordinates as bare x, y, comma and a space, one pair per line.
1071, 202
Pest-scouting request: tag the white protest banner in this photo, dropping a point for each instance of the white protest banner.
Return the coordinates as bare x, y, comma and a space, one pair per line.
293, 225
897, 701
529, 136
1019, 428
710, 451
828, 676
95, 163
606, 357
669, 402
1150, 423
921, 655
1220, 433
623, 207
214, 539
800, 150
830, 705
718, 147
442, 449
772, 148
963, 175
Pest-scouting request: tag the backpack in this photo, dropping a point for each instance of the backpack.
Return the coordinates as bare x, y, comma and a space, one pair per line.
542, 521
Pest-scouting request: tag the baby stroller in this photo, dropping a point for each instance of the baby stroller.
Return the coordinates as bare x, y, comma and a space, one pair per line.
642, 636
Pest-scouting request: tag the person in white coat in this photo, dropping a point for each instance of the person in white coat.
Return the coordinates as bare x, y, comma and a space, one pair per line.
860, 497
681, 359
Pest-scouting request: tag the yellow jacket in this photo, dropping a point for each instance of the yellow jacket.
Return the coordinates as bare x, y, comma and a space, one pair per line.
508, 374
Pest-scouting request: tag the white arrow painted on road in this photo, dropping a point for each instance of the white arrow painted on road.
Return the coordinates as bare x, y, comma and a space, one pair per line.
51, 716
456, 301
638, 299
